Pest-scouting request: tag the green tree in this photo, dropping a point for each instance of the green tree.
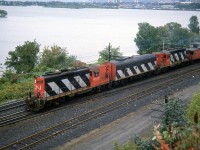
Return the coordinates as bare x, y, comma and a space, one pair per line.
174, 111
3, 13
147, 39
194, 24
56, 57
104, 54
24, 58
178, 36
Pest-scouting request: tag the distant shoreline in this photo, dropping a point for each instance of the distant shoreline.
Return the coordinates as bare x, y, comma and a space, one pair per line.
81, 5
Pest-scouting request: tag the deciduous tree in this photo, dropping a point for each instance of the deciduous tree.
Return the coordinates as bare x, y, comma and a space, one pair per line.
147, 39
104, 54
177, 36
24, 58
56, 57
3, 13
194, 24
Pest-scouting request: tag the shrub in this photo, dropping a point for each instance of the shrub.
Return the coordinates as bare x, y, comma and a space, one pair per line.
193, 107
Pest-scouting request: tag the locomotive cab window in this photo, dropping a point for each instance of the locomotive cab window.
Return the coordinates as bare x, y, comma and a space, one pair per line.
39, 82
96, 74
191, 53
91, 73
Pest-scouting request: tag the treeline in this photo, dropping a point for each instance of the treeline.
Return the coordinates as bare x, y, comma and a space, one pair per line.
192, 6
172, 35
26, 61
27, 58
57, 4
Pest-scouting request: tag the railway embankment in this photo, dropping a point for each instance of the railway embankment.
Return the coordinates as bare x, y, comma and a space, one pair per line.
133, 116
136, 123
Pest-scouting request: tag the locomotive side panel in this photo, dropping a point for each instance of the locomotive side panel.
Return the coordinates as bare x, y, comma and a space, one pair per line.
67, 83
134, 66
178, 56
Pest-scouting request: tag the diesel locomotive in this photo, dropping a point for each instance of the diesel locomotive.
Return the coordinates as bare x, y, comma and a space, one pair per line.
51, 87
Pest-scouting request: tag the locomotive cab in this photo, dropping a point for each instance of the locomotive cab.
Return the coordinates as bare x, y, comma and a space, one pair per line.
162, 59
37, 101
193, 53
100, 75
39, 88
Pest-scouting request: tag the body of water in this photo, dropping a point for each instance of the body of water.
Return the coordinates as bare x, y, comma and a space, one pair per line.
84, 32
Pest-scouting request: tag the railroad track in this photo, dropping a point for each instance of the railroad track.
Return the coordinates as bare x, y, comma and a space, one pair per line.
14, 117
23, 115
11, 105
41, 136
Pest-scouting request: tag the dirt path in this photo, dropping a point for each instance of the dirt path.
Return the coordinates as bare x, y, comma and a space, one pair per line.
139, 122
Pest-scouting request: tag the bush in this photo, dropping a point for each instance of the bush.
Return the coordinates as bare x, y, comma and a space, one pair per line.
193, 107
15, 86
129, 145
14, 91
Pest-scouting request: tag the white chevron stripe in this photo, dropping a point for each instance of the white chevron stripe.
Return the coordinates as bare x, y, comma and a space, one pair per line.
121, 74
130, 73
176, 55
87, 75
55, 87
80, 81
136, 69
116, 78
151, 66
182, 57
68, 84
46, 94
144, 67
172, 58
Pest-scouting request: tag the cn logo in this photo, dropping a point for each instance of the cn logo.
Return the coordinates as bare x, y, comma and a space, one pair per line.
38, 87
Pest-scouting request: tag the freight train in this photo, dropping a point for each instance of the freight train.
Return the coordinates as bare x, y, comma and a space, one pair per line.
51, 87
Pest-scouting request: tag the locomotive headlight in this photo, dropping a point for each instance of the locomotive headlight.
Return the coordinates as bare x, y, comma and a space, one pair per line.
35, 80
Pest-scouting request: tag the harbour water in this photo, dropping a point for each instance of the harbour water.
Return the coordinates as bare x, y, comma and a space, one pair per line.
84, 32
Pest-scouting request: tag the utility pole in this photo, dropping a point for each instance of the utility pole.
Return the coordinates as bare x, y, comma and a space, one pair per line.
1, 69
109, 52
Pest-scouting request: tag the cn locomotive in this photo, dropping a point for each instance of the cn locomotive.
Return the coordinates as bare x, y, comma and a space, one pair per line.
52, 87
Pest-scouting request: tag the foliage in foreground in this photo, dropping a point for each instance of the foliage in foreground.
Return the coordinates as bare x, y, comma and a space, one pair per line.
193, 107
129, 145
173, 132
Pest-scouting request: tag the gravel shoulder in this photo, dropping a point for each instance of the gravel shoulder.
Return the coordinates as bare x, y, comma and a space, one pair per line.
139, 122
